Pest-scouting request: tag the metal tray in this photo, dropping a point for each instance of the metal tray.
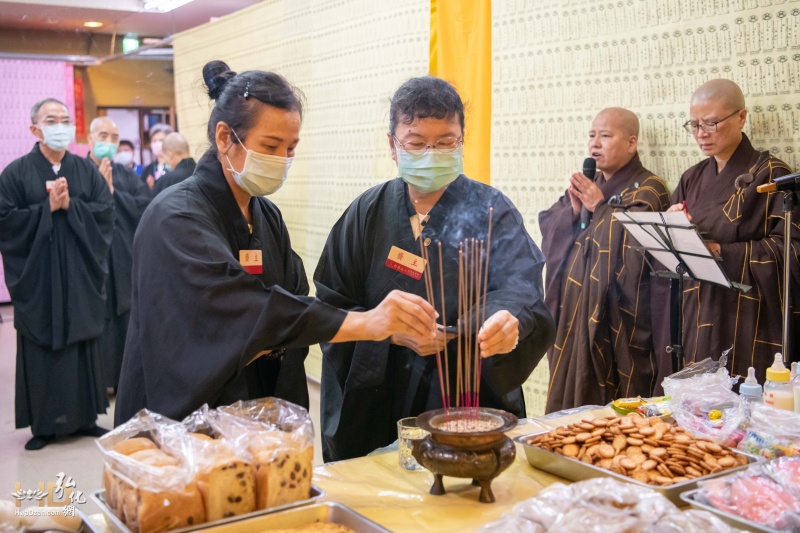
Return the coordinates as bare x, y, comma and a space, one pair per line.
116, 525
731, 519
575, 470
324, 512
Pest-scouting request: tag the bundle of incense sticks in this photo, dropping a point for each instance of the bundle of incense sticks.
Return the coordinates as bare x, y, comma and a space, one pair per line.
473, 277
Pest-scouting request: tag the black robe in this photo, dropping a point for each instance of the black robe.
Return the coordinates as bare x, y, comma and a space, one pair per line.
598, 288
368, 386
184, 169
131, 197
198, 317
55, 269
150, 170
748, 226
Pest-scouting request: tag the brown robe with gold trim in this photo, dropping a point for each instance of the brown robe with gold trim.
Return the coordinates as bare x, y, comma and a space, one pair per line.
748, 225
598, 290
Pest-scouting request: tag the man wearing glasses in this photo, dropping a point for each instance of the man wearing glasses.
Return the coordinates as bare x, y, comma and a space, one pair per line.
56, 225
741, 226
368, 386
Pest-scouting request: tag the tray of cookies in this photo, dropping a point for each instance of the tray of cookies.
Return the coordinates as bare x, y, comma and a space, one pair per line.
646, 451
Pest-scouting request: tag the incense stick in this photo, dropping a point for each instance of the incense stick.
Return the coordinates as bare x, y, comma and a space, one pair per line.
445, 396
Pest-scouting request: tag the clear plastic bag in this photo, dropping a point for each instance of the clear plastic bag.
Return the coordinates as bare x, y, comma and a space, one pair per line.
772, 432
144, 425
786, 471
755, 496
703, 403
595, 505
278, 438
149, 488
692, 520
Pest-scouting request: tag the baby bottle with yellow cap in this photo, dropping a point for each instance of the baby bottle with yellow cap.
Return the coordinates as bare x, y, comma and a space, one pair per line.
778, 387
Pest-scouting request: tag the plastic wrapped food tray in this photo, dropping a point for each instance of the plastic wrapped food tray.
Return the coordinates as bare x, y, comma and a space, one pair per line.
731, 519
574, 470
116, 525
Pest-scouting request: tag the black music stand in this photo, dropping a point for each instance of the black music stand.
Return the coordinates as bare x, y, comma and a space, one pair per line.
674, 242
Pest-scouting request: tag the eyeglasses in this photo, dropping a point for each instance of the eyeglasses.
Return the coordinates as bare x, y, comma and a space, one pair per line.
445, 145
708, 127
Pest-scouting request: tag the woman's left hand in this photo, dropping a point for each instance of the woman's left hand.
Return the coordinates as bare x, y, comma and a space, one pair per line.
499, 334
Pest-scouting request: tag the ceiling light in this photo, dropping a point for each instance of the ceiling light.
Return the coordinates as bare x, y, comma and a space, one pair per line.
164, 5
93, 24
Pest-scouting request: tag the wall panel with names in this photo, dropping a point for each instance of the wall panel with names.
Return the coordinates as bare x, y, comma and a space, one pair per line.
348, 57
556, 63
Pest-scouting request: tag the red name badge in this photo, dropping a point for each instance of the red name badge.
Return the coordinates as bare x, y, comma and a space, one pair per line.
405, 262
49, 184
251, 261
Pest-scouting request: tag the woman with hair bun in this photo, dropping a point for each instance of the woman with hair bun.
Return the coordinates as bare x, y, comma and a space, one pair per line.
220, 310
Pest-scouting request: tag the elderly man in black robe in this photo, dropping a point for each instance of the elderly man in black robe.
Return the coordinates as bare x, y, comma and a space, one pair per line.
597, 282
56, 225
177, 156
368, 386
131, 197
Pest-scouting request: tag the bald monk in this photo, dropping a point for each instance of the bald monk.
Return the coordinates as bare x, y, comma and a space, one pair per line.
743, 227
131, 197
597, 286
175, 149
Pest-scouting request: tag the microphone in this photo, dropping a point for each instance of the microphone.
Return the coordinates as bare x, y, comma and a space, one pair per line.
784, 183
743, 181
589, 168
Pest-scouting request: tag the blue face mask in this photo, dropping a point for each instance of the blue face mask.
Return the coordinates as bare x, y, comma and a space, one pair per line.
104, 150
432, 170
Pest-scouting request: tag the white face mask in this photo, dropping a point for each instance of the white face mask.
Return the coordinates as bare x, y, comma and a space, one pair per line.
262, 174
58, 136
123, 158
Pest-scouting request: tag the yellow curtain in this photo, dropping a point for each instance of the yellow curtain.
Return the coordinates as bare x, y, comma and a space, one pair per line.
461, 53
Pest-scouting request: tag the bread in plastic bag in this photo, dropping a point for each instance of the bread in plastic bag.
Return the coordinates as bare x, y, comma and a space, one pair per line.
224, 475
149, 489
279, 438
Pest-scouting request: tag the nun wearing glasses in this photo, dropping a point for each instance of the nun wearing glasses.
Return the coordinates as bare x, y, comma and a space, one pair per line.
374, 248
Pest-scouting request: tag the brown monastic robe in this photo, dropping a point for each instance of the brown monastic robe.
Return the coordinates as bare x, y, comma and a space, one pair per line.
598, 290
748, 225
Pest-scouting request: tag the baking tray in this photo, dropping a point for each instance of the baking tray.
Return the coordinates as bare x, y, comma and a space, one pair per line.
731, 519
324, 512
574, 470
116, 525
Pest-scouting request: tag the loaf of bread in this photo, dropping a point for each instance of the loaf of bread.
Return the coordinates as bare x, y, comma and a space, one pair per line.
111, 482
146, 511
282, 468
225, 481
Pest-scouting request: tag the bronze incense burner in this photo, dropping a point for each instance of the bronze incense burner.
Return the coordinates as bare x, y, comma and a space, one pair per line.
469, 451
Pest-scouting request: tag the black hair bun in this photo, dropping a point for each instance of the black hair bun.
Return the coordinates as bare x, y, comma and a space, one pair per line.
216, 75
